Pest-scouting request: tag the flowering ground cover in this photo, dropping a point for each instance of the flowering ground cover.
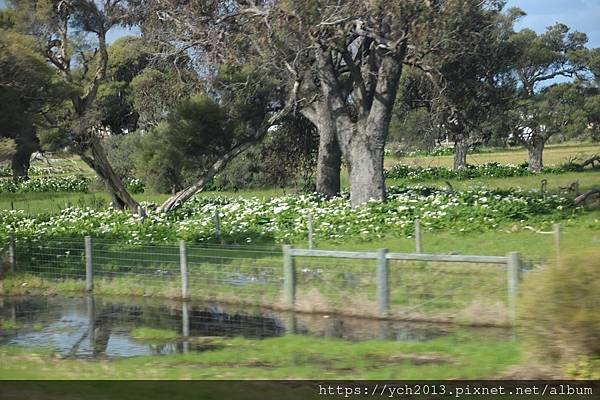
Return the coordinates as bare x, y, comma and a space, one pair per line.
70, 183
284, 219
414, 173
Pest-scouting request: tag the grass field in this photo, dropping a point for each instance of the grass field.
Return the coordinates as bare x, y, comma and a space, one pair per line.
456, 356
295, 357
553, 155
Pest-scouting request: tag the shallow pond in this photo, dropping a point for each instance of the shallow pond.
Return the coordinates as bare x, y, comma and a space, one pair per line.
88, 327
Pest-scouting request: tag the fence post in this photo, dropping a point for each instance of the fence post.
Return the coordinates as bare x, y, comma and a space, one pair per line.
383, 290
557, 241
89, 271
12, 253
418, 236
185, 328
311, 240
514, 272
184, 270
289, 276
217, 222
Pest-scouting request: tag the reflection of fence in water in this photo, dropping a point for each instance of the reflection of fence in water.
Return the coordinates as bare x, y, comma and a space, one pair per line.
96, 326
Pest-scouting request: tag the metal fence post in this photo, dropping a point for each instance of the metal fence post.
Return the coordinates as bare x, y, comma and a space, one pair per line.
418, 236
12, 253
311, 240
289, 276
184, 270
557, 241
383, 290
514, 272
89, 267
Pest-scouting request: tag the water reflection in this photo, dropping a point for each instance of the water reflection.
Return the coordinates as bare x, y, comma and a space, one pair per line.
102, 327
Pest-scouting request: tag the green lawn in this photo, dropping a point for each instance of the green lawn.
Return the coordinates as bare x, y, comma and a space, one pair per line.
457, 356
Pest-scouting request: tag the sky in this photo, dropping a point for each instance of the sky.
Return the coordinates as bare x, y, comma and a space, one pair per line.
581, 15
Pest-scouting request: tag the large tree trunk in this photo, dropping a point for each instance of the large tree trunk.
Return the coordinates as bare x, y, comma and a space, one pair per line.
100, 164
362, 138
329, 162
365, 167
26, 143
20, 163
535, 150
461, 148
363, 145
329, 157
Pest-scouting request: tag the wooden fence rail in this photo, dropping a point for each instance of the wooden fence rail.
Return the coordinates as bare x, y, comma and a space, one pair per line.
512, 263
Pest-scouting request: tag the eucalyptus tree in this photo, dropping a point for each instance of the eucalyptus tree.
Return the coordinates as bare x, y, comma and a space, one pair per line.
478, 84
29, 91
558, 52
339, 61
72, 35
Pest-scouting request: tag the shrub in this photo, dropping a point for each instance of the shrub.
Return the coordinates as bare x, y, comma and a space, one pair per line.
490, 170
136, 186
70, 183
559, 307
287, 156
120, 150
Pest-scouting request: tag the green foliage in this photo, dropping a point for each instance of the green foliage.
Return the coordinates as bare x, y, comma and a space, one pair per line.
559, 308
7, 149
121, 150
128, 58
285, 158
8, 324
73, 183
284, 219
584, 368
153, 334
174, 153
28, 86
490, 170
160, 86
136, 186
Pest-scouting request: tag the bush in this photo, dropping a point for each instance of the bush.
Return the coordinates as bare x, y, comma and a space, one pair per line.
489, 170
286, 157
559, 307
70, 183
120, 150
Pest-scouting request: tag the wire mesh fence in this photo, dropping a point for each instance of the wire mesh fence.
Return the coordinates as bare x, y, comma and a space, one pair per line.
430, 289
328, 284
467, 292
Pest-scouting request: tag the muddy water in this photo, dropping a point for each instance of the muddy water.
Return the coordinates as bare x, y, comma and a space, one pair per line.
89, 327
